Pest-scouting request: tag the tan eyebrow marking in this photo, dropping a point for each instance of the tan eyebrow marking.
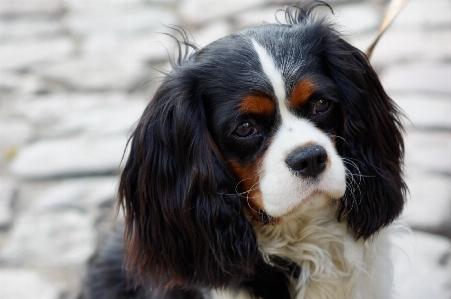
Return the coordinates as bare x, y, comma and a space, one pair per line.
301, 93
259, 105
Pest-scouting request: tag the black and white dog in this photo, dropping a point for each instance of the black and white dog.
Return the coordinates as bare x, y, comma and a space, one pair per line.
267, 165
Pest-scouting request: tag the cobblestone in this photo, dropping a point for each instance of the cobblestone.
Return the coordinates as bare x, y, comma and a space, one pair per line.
358, 18
24, 8
422, 78
118, 18
95, 73
430, 194
73, 156
425, 111
53, 238
7, 191
199, 12
429, 151
16, 29
423, 266
408, 46
26, 284
20, 55
425, 14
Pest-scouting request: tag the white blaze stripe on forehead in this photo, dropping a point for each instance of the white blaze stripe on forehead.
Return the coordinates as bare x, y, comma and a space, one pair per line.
274, 76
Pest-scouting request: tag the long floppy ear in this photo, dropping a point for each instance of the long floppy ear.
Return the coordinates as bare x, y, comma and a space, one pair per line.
184, 225
372, 144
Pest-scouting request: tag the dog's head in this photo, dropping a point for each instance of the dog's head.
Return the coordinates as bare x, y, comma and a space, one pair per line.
271, 123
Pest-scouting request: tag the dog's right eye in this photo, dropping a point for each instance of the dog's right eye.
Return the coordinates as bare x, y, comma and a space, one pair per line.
321, 106
245, 130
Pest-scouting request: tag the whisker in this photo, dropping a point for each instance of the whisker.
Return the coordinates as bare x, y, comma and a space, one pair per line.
336, 136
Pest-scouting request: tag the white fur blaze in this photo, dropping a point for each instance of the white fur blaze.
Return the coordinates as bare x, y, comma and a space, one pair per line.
274, 76
283, 192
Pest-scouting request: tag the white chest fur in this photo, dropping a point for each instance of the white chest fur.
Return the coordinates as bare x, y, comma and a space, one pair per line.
333, 264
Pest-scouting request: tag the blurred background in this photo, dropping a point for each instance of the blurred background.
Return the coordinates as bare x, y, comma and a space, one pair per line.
75, 75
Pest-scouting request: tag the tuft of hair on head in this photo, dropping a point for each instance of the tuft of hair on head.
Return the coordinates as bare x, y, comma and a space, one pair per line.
185, 47
300, 14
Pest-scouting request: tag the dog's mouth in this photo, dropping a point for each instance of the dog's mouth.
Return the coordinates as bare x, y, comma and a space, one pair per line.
267, 219
316, 201
259, 214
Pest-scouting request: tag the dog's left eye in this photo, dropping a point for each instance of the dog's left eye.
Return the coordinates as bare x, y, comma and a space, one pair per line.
321, 106
245, 130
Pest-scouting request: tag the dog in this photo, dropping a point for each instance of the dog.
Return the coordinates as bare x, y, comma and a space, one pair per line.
267, 165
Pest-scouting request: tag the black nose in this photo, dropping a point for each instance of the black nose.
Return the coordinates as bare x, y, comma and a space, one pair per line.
309, 161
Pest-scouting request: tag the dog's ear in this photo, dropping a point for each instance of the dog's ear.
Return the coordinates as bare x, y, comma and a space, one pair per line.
184, 225
371, 146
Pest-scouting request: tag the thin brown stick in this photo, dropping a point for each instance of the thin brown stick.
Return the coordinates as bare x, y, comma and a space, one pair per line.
394, 8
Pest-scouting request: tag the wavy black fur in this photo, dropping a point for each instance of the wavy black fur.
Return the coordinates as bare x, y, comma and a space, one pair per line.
371, 143
183, 224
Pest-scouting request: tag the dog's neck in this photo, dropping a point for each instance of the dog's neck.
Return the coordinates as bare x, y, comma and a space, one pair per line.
333, 264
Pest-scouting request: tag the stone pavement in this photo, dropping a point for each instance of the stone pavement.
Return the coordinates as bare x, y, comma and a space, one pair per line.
75, 75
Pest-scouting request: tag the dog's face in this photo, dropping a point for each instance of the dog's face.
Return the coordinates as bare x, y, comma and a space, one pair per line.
272, 122
274, 113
